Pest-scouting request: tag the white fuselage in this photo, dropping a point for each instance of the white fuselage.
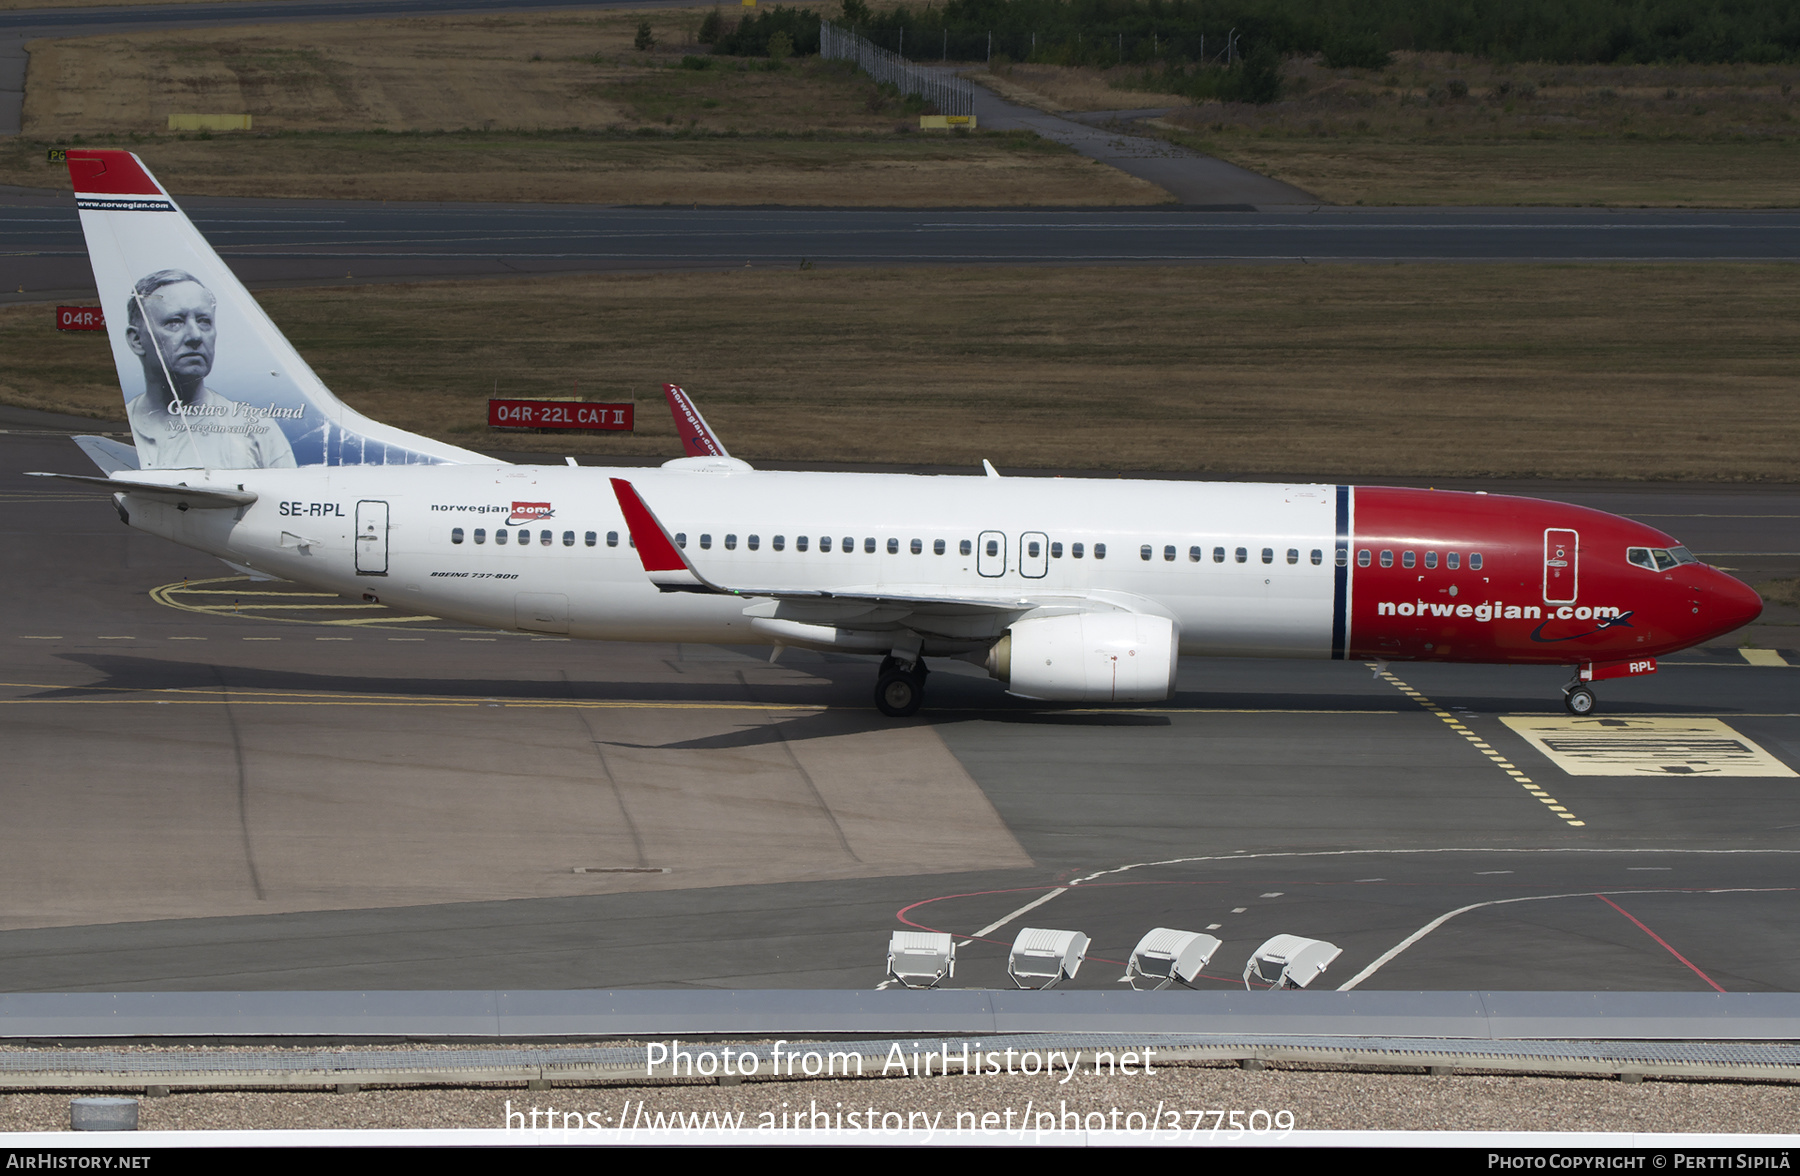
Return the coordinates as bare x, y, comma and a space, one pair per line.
567, 565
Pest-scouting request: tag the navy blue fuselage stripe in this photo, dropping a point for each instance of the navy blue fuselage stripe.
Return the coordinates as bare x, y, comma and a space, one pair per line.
1340, 593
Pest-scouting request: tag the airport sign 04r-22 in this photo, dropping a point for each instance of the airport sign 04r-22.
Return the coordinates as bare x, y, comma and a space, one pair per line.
559, 414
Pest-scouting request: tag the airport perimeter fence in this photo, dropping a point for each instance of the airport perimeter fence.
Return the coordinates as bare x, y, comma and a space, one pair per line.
950, 95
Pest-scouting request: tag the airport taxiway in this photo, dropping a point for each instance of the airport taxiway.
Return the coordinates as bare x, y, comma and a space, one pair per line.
217, 784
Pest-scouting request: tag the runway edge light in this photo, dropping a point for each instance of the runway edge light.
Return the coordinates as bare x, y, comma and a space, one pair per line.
1168, 956
1290, 961
920, 959
1049, 956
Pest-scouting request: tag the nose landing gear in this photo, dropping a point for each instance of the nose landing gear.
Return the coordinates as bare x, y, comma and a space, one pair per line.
1579, 700
900, 688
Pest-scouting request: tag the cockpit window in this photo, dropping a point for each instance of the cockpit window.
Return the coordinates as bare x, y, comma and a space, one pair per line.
1657, 559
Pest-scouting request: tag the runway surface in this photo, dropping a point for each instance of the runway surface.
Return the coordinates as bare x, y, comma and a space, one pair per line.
214, 784
287, 242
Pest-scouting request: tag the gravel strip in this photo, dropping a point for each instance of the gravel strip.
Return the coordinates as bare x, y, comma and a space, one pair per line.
1319, 1099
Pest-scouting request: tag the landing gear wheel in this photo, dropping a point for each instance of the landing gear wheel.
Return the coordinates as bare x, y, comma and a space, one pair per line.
899, 693
1580, 701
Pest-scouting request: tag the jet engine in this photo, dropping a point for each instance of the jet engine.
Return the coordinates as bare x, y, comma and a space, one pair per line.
1088, 657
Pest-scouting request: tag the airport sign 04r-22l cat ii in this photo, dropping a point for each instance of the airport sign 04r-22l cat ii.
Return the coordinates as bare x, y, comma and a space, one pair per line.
1065, 589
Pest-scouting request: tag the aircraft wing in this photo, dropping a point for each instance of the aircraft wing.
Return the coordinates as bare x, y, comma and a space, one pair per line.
851, 606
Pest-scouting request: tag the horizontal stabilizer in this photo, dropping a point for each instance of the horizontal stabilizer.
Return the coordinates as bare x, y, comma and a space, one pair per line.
194, 497
108, 454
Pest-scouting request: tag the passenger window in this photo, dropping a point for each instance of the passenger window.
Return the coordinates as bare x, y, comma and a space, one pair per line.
568, 538
456, 534
800, 543
1194, 554
824, 543
993, 547
500, 536
1242, 555
1293, 555
1431, 559
1474, 561
592, 538
918, 547
1033, 548
1268, 555
681, 539
1144, 551
937, 547
894, 546
1362, 558
779, 543
1387, 559
731, 543
1218, 555
1453, 560
481, 534
965, 547
1076, 550
1169, 554
706, 543
850, 544
612, 538
1099, 551
1318, 557
1056, 551
546, 538
753, 542
1406, 559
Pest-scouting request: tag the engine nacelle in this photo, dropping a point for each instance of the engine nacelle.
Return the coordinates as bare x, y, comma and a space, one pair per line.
1089, 657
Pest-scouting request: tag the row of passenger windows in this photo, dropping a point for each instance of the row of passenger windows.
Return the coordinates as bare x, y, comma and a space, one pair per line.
545, 538
1239, 555
1452, 559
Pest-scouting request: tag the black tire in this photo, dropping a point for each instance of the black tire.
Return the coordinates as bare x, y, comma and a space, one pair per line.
899, 694
1579, 701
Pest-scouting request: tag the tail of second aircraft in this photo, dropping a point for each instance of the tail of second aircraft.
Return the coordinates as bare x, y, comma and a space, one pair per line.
208, 380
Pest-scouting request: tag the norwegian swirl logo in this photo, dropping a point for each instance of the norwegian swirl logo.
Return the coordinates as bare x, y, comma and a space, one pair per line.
525, 512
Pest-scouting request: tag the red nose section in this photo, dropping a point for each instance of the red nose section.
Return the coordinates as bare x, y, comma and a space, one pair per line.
1732, 604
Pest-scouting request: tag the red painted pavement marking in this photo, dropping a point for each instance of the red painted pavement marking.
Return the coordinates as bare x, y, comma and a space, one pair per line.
1615, 906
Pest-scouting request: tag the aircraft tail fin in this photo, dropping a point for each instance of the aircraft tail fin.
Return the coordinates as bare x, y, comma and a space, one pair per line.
697, 437
208, 379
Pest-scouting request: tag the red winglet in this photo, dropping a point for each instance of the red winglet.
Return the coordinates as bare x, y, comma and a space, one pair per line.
110, 173
654, 547
697, 439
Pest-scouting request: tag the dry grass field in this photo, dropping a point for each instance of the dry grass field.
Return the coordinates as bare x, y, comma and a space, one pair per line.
1557, 371
1439, 129
548, 106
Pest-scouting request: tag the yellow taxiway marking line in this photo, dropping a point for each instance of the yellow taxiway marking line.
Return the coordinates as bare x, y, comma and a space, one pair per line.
1659, 746
1456, 725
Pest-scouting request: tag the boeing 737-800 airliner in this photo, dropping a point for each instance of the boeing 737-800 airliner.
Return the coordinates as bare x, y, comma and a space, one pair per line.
1065, 589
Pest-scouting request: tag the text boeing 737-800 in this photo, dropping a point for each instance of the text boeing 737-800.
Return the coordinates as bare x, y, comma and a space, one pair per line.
1066, 590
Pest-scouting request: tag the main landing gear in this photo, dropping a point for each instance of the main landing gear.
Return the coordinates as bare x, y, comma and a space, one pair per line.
900, 688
